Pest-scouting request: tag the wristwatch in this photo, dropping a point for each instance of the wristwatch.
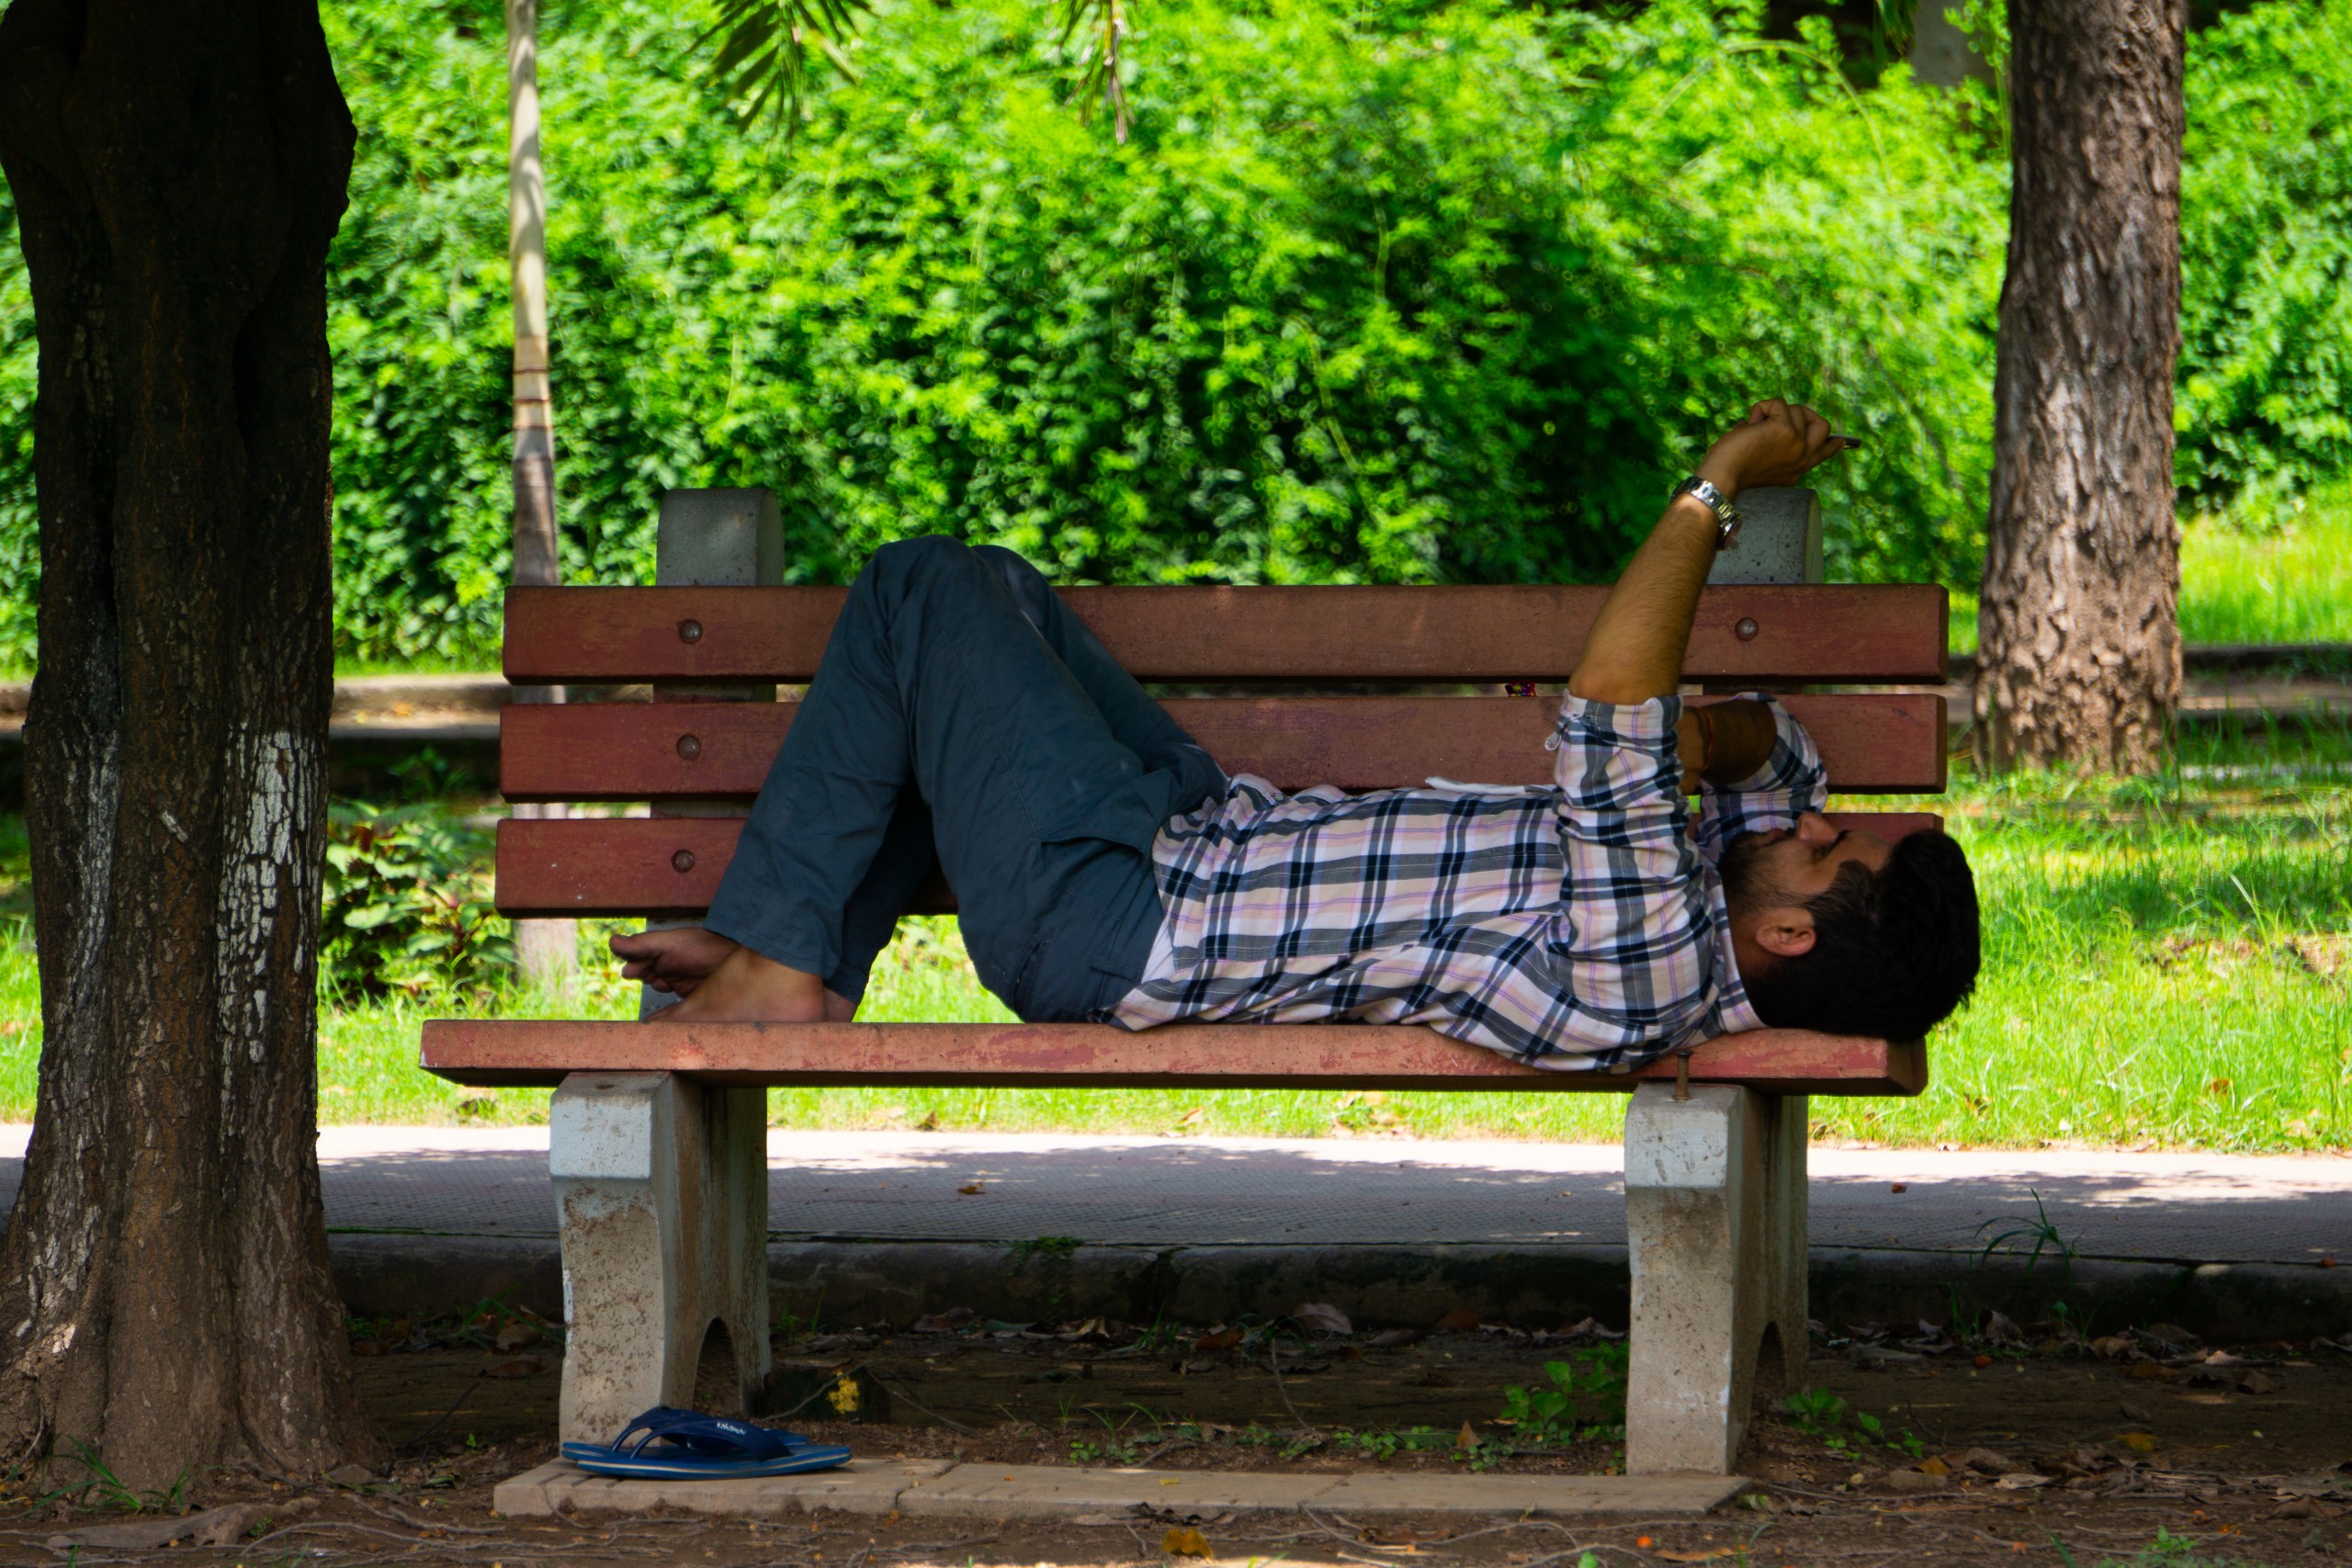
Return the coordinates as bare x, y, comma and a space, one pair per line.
1717, 501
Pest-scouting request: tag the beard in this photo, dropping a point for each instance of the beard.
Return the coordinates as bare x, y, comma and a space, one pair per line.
1748, 884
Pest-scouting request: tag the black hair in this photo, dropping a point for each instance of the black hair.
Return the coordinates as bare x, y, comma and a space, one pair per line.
1894, 950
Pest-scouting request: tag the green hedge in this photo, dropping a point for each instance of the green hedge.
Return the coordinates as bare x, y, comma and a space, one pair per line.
1383, 292
2265, 395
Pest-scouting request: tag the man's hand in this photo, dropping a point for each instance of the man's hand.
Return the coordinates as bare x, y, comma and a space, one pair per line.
1777, 444
1635, 651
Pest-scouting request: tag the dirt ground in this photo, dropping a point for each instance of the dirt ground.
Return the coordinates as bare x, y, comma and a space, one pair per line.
2140, 1448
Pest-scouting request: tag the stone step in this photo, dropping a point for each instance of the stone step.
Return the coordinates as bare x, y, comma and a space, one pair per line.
1071, 1494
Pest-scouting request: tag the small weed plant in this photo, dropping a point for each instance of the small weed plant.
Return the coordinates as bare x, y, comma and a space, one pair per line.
1587, 1398
1845, 1430
2167, 1551
99, 1487
1387, 1442
408, 902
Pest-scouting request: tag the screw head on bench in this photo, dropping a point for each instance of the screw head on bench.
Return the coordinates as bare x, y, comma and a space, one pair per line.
1746, 630
682, 861
689, 746
690, 631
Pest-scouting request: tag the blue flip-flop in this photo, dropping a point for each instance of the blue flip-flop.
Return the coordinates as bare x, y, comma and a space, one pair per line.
695, 1447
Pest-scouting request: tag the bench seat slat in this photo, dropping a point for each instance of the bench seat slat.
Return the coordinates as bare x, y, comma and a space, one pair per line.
1872, 742
1388, 1056
1861, 634
671, 866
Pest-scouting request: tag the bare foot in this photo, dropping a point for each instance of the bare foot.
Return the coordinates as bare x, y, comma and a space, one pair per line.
747, 989
676, 960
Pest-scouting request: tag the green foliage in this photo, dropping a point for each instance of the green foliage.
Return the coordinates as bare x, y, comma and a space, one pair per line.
1844, 1429
1384, 292
1380, 296
1586, 1397
408, 902
2265, 386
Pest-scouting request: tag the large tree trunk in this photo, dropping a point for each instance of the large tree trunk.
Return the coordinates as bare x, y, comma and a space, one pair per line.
179, 168
2078, 644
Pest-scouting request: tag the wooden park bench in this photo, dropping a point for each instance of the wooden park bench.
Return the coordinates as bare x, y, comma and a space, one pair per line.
658, 1136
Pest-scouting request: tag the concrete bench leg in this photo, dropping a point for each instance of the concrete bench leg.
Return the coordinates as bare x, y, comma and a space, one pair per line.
1715, 1219
661, 1188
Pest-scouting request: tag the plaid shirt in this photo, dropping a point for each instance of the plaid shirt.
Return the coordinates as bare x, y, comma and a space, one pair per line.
1579, 926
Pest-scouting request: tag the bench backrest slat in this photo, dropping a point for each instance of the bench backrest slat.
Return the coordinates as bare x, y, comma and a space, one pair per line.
1853, 633
696, 761
1871, 743
671, 866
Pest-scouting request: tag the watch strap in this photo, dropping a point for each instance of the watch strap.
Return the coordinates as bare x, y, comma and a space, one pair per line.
1708, 495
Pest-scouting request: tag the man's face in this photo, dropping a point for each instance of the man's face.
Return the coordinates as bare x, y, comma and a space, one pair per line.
1769, 877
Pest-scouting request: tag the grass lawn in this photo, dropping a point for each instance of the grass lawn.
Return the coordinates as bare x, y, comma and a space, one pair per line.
2168, 964
2284, 576
2268, 572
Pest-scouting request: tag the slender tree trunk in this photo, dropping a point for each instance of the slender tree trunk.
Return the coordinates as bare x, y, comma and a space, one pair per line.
2078, 642
179, 168
545, 950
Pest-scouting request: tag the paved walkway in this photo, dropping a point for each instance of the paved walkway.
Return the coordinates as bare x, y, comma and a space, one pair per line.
1239, 1191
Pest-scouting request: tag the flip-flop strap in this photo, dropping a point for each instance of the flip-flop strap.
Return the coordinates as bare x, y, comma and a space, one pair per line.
710, 1436
657, 1422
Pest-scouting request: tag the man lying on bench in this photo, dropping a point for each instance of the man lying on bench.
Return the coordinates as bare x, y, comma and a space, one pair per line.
1106, 869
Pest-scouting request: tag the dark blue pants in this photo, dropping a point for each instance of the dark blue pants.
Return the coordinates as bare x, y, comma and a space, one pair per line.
963, 717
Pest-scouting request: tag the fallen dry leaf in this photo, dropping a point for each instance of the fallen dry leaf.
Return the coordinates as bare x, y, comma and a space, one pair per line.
517, 1367
2305, 1509
947, 1322
1323, 1318
1988, 1461
1184, 1542
1461, 1320
971, 1189
1390, 1339
2138, 1442
1709, 1555
1468, 1437
1594, 1326
1222, 1339
1933, 1465
515, 1336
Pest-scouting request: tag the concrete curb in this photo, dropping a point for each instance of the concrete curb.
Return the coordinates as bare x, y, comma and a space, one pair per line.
847, 1282
1065, 1494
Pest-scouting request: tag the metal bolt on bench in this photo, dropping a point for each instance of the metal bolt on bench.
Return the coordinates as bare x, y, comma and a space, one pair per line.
658, 1137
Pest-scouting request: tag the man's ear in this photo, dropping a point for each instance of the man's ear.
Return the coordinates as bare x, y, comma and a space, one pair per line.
1785, 932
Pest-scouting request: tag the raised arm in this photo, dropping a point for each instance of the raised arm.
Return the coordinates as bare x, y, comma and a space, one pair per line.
1635, 649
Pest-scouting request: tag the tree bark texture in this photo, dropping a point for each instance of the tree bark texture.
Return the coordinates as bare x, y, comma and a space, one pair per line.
179, 168
2078, 641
